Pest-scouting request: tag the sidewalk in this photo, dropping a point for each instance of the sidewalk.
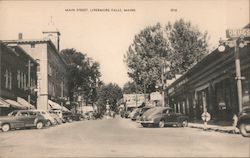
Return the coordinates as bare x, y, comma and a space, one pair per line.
218, 127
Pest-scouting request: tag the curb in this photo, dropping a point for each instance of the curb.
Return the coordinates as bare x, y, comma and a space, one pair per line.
216, 129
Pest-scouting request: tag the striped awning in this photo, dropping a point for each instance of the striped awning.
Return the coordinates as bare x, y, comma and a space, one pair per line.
54, 105
15, 104
25, 103
3, 103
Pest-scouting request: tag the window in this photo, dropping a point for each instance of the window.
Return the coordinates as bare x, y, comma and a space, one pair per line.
8, 79
32, 45
24, 81
6, 76
32, 113
18, 79
21, 80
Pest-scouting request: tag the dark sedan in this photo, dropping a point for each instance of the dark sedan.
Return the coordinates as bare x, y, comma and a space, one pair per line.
22, 119
244, 122
162, 116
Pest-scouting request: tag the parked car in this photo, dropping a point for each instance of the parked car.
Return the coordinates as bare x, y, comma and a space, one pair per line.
56, 117
67, 116
47, 115
244, 122
78, 117
134, 114
22, 119
141, 112
162, 116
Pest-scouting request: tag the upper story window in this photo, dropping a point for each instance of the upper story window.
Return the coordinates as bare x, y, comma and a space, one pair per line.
32, 45
49, 70
8, 79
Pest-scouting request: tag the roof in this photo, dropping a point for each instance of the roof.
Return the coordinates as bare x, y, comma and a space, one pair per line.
24, 52
30, 41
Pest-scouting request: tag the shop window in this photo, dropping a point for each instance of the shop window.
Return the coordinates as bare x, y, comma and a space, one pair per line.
18, 79
223, 95
6, 76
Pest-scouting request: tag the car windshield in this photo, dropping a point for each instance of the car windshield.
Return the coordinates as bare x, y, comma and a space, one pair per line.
12, 113
154, 111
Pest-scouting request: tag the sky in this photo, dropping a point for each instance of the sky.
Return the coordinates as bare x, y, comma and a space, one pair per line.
106, 35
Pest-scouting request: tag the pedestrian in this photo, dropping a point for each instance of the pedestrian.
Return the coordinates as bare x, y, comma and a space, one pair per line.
235, 120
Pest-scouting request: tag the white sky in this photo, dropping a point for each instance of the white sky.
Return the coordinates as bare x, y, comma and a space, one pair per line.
105, 36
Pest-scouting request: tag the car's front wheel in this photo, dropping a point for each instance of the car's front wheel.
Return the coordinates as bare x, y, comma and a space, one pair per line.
245, 130
39, 125
5, 127
161, 124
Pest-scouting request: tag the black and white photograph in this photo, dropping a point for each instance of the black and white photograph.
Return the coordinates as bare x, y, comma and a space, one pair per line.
107, 78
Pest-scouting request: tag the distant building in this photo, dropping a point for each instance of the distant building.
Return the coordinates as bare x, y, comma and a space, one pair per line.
18, 79
52, 75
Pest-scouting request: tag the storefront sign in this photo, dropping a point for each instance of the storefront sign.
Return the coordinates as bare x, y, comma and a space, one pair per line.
234, 33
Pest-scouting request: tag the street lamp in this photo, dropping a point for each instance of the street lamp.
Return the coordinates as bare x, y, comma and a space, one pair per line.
237, 43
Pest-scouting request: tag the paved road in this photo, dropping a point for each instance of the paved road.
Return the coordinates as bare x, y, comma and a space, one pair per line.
120, 137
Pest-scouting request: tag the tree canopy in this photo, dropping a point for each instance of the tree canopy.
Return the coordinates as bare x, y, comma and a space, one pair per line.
84, 73
111, 93
176, 46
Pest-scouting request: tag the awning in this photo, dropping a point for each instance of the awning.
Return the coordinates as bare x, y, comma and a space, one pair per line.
25, 103
3, 103
15, 104
54, 105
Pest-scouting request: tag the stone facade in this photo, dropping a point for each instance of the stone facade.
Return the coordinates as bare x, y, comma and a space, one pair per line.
52, 77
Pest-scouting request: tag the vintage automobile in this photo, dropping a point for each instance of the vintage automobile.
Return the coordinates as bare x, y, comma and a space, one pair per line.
244, 122
134, 113
139, 112
67, 116
162, 116
22, 119
47, 116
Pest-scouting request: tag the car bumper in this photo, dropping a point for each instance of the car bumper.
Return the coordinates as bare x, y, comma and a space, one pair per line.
145, 122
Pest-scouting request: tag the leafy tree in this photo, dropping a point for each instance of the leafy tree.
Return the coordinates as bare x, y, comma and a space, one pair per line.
188, 45
111, 93
178, 47
145, 57
84, 73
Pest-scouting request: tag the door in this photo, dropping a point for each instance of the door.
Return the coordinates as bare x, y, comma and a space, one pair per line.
22, 116
169, 116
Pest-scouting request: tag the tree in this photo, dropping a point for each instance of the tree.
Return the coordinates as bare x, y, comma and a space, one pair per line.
188, 45
145, 57
131, 87
178, 47
84, 73
111, 93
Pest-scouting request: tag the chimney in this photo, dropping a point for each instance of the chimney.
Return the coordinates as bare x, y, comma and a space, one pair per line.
20, 36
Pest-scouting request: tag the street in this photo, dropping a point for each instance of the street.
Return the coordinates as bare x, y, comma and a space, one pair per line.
120, 138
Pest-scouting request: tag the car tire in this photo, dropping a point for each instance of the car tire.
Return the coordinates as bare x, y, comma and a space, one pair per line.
243, 130
144, 125
5, 127
184, 123
49, 123
39, 125
161, 124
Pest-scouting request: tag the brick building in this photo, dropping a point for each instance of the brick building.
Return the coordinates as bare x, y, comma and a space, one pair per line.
52, 76
18, 79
